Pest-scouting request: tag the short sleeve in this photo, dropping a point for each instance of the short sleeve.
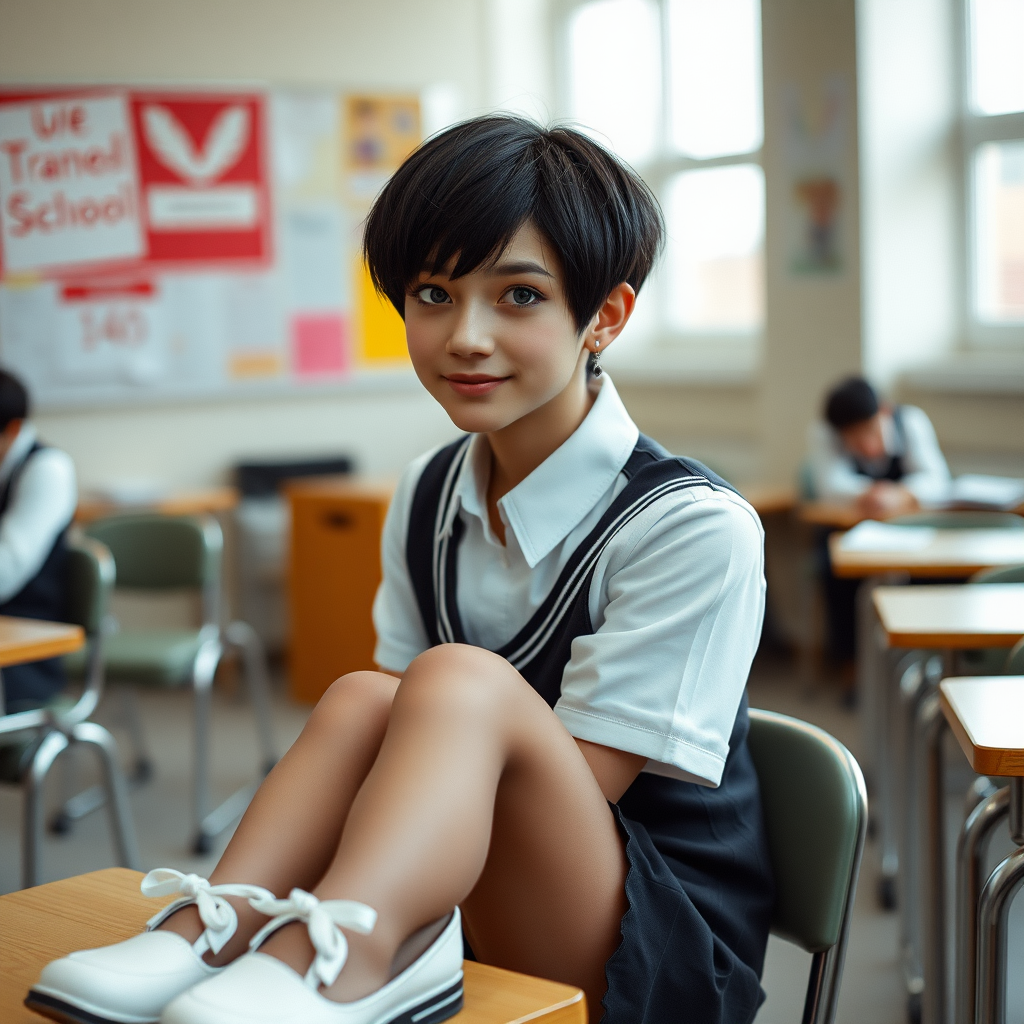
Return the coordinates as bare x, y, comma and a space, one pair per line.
396, 615
678, 620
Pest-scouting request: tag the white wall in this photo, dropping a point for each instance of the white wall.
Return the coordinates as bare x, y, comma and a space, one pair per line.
399, 45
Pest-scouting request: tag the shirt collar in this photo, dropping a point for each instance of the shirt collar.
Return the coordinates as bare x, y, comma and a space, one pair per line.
18, 450
553, 500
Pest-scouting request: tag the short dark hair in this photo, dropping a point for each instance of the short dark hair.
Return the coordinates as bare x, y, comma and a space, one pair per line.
13, 399
464, 194
851, 401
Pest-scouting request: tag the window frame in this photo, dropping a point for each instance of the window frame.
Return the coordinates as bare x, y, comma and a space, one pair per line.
665, 345
976, 129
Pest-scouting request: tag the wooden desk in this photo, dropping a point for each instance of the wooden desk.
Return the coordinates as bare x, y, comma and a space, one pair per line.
38, 925
768, 499
24, 640
209, 500
951, 617
838, 515
986, 714
952, 553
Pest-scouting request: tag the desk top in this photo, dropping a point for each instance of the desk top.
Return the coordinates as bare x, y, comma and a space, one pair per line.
956, 553
769, 498
986, 714
960, 617
24, 640
183, 503
38, 925
840, 515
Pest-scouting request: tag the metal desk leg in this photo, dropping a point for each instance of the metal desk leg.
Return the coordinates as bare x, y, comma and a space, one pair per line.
993, 909
970, 855
931, 724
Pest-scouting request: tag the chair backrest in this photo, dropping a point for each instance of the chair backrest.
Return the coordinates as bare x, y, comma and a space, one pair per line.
953, 520
90, 579
815, 810
156, 552
1015, 660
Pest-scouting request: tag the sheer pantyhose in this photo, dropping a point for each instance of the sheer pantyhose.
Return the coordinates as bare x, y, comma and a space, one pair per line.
455, 785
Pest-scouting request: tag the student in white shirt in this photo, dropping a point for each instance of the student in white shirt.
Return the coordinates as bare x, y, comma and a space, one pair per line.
37, 503
557, 745
884, 458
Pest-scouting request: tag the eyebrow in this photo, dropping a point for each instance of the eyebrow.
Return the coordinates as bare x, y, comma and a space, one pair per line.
519, 267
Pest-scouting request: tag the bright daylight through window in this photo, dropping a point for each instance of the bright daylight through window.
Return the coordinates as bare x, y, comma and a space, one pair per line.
994, 135
674, 86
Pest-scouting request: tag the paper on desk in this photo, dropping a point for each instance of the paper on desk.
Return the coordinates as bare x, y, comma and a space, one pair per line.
987, 491
873, 536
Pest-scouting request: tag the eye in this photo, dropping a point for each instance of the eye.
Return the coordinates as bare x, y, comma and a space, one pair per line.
432, 295
521, 296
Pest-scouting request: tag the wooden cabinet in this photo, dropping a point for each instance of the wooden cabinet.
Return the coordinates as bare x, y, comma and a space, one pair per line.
334, 570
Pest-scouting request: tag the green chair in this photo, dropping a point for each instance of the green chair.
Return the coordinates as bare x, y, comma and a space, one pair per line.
1015, 660
157, 553
816, 815
30, 741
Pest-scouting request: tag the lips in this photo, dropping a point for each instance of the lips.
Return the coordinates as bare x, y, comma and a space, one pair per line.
473, 385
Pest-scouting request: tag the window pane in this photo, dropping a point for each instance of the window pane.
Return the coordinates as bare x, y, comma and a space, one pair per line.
997, 61
999, 236
714, 256
615, 73
715, 48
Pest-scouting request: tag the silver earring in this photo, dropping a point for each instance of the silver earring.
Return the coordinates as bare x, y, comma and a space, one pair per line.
595, 360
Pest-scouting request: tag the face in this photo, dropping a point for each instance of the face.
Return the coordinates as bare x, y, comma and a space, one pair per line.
865, 439
499, 343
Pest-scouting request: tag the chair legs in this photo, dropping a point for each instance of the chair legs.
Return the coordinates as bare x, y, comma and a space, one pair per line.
243, 637
52, 745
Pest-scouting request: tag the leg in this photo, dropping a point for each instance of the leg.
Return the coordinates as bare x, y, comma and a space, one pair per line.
479, 797
291, 829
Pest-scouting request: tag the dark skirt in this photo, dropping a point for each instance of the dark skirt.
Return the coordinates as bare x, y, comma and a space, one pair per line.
700, 895
32, 685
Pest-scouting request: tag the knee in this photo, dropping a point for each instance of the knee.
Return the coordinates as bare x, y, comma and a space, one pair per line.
363, 698
464, 678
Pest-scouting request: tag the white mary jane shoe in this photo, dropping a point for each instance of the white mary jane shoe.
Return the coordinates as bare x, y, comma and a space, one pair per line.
259, 989
132, 981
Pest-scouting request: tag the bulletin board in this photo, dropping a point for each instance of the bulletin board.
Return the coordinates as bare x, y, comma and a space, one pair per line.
160, 244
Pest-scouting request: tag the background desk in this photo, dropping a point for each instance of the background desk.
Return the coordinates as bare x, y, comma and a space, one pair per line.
38, 925
210, 500
952, 553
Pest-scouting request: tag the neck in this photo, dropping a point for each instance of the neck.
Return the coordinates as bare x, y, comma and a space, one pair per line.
518, 449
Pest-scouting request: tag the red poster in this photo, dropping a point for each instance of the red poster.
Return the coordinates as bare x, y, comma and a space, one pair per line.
204, 176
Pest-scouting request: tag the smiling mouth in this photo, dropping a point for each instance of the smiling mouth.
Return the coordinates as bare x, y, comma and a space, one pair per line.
471, 384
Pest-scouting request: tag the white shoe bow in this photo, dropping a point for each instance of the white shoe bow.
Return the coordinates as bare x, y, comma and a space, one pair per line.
324, 921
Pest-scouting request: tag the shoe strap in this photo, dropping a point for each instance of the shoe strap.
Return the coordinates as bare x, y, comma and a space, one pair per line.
218, 916
324, 920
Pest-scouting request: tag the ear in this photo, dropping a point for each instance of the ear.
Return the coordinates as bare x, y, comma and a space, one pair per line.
10, 432
610, 318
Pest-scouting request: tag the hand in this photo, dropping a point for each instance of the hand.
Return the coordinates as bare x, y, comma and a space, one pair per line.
886, 498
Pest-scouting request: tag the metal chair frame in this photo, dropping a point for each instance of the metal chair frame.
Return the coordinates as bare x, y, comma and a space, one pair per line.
58, 730
822, 999
208, 823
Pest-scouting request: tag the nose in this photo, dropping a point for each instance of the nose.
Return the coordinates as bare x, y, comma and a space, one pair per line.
471, 334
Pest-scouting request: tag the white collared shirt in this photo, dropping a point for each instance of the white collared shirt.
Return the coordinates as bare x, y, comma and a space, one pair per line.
835, 475
676, 600
41, 505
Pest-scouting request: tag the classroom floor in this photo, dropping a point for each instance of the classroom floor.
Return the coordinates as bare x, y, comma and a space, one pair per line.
872, 987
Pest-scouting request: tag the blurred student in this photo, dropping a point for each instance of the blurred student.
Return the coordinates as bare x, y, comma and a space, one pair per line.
37, 503
884, 458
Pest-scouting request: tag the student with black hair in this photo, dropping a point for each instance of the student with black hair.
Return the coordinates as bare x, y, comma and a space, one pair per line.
884, 458
37, 503
554, 755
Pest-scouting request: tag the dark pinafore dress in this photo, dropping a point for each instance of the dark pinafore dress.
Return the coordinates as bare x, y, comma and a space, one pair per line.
699, 884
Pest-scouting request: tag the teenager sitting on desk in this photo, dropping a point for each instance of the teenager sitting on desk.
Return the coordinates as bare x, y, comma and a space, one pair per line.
884, 458
37, 502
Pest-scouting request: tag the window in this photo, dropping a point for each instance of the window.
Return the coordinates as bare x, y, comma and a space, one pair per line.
994, 151
674, 87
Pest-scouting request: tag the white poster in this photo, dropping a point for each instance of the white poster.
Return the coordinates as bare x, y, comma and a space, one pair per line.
68, 184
